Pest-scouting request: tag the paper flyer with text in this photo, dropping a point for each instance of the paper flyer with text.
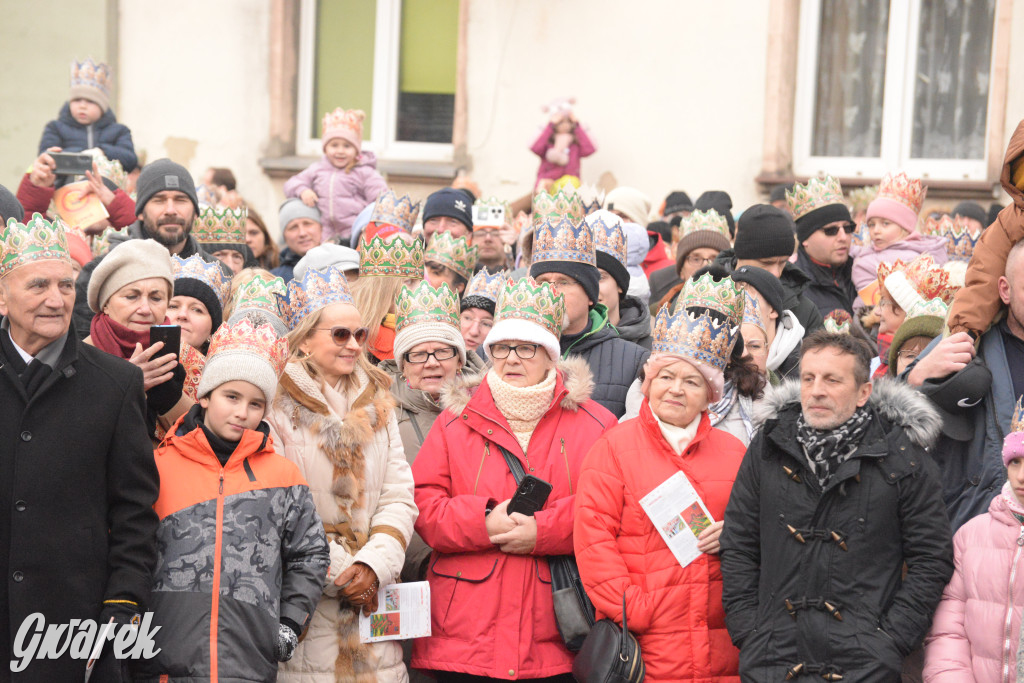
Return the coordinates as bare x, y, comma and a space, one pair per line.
403, 612
679, 515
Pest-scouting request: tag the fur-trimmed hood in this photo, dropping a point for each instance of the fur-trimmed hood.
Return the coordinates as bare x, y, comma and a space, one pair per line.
900, 404
576, 377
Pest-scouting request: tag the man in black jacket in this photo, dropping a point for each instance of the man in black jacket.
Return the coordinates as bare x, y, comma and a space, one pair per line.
77, 476
836, 495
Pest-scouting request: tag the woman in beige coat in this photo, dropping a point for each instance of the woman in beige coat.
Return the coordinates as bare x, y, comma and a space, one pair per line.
334, 418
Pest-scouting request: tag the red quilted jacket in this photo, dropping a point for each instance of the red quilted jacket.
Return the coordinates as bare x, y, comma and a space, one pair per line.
675, 612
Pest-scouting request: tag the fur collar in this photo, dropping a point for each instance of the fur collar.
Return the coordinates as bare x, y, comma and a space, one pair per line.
900, 404
576, 377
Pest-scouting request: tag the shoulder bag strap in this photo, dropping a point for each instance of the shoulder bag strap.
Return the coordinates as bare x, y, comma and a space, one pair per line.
513, 464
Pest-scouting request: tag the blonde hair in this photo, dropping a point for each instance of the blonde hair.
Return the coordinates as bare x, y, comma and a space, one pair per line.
304, 330
242, 278
375, 296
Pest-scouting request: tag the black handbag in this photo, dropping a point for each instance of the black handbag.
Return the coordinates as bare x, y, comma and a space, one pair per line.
574, 613
610, 654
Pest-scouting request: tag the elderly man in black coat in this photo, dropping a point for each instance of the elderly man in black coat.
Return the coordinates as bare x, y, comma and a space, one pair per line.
77, 476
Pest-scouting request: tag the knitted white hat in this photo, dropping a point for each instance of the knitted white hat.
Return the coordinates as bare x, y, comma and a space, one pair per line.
244, 352
126, 263
522, 330
427, 331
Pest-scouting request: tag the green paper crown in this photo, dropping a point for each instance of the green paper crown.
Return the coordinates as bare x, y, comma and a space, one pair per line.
36, 240
426, 304
818, 192
548, 208
221, 226
452, 252
262, 294
527, 300
723, 296
398, 257
709, 220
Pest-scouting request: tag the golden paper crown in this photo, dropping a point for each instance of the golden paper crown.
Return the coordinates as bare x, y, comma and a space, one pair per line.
318, 289
193, 362
390, 209
548, 208
348, 119
485, 285
396, 256
534, 302
564, 241
209, 273
838, 322
426, 304
861, 197
452, 252
709, 220
90, 74
816, 193
242, 337
608, 234
592, 197
723, 296
221, 225
960, 239
36, 240
696, 336
925, 278
752, 313
1017, 422
907, 191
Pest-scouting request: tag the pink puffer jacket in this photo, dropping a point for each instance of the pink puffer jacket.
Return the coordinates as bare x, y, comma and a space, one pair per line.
341, 194
866, 258
976, 628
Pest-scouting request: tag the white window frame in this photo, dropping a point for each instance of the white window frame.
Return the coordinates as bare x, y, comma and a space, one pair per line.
385, 91
897, 112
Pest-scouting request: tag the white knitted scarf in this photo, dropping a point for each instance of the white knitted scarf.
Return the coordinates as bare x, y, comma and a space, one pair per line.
522, 406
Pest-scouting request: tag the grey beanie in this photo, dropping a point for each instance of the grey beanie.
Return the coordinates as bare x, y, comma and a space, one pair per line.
294, 208
325, 255
126, 263
161, 175
10, 207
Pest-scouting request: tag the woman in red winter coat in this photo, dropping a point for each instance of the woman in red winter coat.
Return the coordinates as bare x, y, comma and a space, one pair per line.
490, 587
675, 611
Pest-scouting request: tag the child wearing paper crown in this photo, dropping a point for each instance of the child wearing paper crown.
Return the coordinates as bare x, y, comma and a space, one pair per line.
242, 551
344, 181
975, 633
561, 144
86, 119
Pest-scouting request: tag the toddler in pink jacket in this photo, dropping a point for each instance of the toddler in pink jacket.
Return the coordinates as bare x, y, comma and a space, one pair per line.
975, 633
892, 228
344, 181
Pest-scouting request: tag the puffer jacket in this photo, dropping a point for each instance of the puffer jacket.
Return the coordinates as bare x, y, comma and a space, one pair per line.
635, 322
614, 362
976, 628
676, 612
976, 304
580, 147
362, 488
830, 287
813, 580
492, 612
341, 194
106, 133
866, 258
240, 547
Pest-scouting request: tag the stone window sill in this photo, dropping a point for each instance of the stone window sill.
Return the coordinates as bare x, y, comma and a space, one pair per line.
957, 189
287, 166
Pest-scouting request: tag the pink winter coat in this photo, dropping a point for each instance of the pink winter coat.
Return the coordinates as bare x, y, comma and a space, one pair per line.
342, 194
866, 258
582, 147
976, 627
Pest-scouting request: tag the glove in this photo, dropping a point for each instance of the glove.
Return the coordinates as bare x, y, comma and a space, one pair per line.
162, 397
287, 641
124, 612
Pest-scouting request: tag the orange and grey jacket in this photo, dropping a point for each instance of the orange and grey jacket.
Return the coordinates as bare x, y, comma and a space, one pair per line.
240, 548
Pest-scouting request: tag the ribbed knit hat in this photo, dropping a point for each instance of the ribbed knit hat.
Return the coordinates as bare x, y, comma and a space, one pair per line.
126, 263
161, 175
427, 331
294, 208
197, 289
677, 201
631, 202
241, 351
10, 207
457, 204
922, 326
764, 231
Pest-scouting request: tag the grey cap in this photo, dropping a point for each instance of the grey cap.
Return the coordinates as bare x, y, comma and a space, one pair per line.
294, 208
325, 255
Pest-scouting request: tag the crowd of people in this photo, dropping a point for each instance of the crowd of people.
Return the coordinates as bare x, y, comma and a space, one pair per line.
834, 379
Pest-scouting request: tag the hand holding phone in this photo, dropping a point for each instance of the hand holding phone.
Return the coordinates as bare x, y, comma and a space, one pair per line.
530, 496
170, 335
68, 163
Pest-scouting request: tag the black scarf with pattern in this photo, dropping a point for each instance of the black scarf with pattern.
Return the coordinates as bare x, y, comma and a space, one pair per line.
827, 449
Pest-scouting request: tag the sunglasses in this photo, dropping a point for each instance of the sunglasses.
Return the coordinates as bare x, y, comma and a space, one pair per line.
832, 231
341, 335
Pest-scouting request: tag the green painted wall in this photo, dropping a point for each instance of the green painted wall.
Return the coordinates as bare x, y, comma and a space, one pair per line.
344, 60
430, 38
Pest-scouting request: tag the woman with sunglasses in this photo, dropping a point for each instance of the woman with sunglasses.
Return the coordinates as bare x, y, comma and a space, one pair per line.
492, 615
334, 418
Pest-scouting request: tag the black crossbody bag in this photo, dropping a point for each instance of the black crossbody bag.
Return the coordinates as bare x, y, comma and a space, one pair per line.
610, 654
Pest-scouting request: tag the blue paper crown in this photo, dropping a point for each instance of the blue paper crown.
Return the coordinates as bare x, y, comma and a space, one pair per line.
319, 288
608, 234
390, 209
698, 337
564, 241
209, 273
486, 285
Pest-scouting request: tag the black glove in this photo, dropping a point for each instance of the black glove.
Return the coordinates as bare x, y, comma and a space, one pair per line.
162, 397
287, 641
124, 612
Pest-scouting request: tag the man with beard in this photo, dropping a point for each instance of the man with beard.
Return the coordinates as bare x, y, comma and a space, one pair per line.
167, 206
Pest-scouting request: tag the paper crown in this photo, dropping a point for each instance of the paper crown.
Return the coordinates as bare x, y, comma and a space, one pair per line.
263, 294
221, 225
933, 307
722, 296
534, 302
837, 322
862, 196
210, 274
860, 236
692, 335
391, 209
752, 313
960, 239
90, 74
608, 235
552, 208
395, 256
491, 213
452, 252
564, 240
350, 119
242, 337
816, 193
110, 169
1017, 422
922, 277
486, 285
36, 240
427, 304
592, 198
899, 187
319, 288
709, 220
193, 362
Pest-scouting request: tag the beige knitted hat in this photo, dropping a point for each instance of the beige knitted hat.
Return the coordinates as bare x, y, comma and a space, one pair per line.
126, 263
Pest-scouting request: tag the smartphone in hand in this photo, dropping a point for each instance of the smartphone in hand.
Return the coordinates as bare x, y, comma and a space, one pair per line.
69, 163
170, 335
530, 496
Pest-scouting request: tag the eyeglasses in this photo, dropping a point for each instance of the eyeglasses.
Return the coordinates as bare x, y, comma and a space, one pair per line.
486, 232
561, 284
833, 230
890, 304
694, 260
341, 335
523, 351
419, 357
909, 355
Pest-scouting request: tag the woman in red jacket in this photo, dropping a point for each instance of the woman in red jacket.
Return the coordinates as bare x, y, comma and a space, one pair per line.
675, 611
490, 587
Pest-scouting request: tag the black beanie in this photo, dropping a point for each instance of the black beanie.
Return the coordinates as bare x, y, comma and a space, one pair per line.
248, 260
613, 267
764, 231
451, 203
10, 207
720, 202
765, 283
197, 289
814, 221
677, 201
971, 210
477, 301
583, 273
163, 174
778, 193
